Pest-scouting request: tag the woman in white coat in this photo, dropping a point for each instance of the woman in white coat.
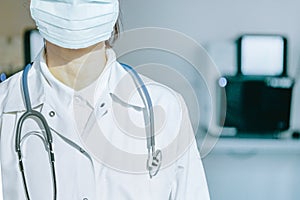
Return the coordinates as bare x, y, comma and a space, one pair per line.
96, 118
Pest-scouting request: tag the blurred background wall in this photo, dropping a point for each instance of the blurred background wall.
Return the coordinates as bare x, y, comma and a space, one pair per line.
237, 169
14, 19
215, 24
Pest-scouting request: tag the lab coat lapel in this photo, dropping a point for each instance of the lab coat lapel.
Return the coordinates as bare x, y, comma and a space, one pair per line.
61, 123
123, 88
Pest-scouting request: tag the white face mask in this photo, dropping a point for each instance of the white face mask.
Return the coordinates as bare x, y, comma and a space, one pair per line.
75, 24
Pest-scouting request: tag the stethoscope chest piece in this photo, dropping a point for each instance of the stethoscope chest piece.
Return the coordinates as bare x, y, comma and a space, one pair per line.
154, 163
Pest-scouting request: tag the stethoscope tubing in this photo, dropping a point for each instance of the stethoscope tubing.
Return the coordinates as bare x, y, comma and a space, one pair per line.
32, 113
148, 105
154, 156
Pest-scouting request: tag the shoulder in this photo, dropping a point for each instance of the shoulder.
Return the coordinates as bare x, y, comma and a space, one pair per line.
163, 95
170, 110
9, 82
8, 88
173, 128
127, 83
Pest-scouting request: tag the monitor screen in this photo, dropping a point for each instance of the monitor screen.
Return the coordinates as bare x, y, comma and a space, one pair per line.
257, 104
262, 55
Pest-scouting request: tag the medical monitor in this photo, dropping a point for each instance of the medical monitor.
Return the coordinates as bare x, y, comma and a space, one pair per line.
256, 104
262, 54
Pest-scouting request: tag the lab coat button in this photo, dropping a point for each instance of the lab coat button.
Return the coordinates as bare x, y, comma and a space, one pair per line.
52, 113
102, 105
85, 199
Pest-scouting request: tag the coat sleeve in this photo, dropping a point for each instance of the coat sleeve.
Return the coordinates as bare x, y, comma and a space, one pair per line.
1, 107
190, 180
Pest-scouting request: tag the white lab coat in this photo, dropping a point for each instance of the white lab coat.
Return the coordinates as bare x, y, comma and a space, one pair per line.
82, 175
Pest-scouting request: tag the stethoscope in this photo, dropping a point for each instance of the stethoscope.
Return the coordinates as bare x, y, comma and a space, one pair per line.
154, 159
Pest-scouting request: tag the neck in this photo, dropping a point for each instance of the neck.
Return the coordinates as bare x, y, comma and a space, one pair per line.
76, 68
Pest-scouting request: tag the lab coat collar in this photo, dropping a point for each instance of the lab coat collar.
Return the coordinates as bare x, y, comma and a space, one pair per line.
15, 101
120, 85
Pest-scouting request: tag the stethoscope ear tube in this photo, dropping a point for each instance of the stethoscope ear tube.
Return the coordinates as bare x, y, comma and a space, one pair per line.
41, 118
25, 87
154, 156
29, 112
48, 136
148, 104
